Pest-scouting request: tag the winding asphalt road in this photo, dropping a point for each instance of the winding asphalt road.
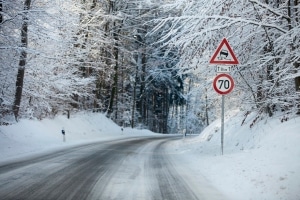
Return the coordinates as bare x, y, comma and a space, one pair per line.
128, 169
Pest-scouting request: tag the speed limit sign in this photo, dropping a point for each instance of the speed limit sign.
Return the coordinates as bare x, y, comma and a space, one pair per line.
223, 84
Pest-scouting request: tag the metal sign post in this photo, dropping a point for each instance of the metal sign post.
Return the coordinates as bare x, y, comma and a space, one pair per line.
222, 124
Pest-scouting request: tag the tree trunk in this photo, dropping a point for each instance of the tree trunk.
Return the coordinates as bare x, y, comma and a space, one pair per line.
297, 85
22, 62
1, 9
206, 108
166, 110
297, 79
143, 88
115, 83
134, 98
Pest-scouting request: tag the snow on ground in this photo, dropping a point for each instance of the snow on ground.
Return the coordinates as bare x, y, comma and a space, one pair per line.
262, 162
34, 136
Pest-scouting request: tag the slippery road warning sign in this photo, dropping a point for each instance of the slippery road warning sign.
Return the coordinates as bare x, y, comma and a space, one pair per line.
223, 84
224, 55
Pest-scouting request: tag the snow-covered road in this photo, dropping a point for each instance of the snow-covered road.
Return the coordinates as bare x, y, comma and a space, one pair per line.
136, 168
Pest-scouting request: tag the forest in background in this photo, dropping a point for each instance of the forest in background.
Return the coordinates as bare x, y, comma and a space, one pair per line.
145, 63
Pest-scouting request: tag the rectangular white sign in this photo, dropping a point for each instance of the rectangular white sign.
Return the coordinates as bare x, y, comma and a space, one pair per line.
223, 69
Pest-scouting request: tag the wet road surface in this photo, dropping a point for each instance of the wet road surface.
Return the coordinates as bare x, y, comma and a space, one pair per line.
127, 169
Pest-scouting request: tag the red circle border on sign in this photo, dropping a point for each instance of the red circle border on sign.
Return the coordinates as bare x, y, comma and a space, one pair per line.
215, 84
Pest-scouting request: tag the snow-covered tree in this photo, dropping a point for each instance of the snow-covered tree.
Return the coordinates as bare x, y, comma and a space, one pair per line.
146, 62
263, 35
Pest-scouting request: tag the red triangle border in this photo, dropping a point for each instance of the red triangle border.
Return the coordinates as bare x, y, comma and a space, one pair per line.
224, 62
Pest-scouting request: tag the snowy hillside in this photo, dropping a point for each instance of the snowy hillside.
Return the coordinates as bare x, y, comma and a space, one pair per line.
262, 162
34, 136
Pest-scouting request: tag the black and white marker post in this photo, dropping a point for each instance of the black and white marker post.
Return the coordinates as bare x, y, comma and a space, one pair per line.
64, 134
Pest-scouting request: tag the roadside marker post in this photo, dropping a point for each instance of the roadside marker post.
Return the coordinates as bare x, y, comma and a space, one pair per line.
64, 134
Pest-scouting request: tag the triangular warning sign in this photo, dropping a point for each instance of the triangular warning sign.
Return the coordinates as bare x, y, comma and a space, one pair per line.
224, 55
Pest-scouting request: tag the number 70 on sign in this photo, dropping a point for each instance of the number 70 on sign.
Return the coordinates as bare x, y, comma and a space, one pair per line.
223, 84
